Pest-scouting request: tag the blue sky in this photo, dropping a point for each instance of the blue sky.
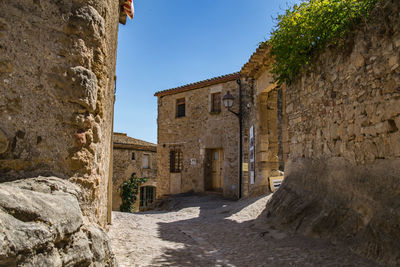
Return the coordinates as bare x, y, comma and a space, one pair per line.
174, 42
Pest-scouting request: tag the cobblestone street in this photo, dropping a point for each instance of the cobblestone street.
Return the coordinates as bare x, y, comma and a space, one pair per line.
210, 231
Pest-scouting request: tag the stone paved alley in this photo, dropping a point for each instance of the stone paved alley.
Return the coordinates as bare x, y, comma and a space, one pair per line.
210, 231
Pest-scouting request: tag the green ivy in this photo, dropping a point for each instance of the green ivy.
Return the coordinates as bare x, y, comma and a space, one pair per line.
129, 191
309, 27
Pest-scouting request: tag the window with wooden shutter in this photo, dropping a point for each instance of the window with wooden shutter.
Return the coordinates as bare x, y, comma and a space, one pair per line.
216, 102
146, 161
180, 108
175, 160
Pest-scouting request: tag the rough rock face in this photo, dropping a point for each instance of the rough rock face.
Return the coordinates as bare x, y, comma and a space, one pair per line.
333, 199
42, 225
57, 68
57, 81
342, 179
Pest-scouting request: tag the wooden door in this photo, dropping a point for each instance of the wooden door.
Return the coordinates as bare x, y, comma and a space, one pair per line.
147, 196
216, 167
175, 183
207, 171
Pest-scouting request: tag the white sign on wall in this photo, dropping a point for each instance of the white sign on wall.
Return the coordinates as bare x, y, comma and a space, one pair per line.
193, 162
251, 154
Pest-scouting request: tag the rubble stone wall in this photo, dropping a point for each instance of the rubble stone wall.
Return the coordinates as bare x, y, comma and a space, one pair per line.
57, 67
343, 114
198, 131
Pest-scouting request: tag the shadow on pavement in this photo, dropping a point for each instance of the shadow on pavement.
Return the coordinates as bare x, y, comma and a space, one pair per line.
237, 233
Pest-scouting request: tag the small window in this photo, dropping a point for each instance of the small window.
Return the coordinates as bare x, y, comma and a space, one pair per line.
216, 102
175, 160
133, 156
145, 161
180, 108
216, 155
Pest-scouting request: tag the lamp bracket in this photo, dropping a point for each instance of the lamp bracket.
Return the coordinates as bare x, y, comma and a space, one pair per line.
237, 114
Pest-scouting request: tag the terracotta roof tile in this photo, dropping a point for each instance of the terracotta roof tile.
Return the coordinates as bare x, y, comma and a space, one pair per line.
124, 139
197, 85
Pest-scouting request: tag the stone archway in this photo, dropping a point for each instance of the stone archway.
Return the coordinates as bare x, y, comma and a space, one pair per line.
267, 139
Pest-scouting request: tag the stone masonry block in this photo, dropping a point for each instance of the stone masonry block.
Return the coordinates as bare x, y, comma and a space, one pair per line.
6, 66
87, 21
3, 142
84, 88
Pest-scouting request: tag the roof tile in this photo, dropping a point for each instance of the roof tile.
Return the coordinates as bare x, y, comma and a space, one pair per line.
197, 85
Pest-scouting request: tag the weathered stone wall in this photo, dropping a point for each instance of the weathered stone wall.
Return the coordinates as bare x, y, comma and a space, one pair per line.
124, 166
193, 134
342, 179
57, 63
261, 113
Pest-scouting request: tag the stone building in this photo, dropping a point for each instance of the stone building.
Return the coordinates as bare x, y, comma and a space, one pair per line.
198, 139
133, 157
57, 79
199, 132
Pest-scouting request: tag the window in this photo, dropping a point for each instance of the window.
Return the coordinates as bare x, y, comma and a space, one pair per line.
145, 161
133, 156
216, 102
180, 107
175, 160
216, 155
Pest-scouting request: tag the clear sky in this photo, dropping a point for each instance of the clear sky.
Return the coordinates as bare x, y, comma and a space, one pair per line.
170, 43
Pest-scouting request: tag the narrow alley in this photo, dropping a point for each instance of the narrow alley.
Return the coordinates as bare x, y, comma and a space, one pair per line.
206, 230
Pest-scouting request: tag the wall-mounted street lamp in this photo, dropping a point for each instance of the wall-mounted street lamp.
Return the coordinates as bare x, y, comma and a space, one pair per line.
228, 101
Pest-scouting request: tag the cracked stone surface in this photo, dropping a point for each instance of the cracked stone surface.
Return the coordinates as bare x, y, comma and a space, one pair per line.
210, 231
41, 224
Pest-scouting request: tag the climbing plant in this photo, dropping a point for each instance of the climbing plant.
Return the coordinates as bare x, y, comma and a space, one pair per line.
129, 191
310, 26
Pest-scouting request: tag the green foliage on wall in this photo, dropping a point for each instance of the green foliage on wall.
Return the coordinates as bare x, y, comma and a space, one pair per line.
129, 191
308, 28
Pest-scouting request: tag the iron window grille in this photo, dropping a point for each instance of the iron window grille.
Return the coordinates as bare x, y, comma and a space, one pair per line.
176, 161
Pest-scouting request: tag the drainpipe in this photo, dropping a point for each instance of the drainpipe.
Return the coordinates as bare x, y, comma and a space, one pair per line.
240, 115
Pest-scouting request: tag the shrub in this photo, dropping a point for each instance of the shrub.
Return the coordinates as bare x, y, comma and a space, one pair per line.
309, 27
129, 191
